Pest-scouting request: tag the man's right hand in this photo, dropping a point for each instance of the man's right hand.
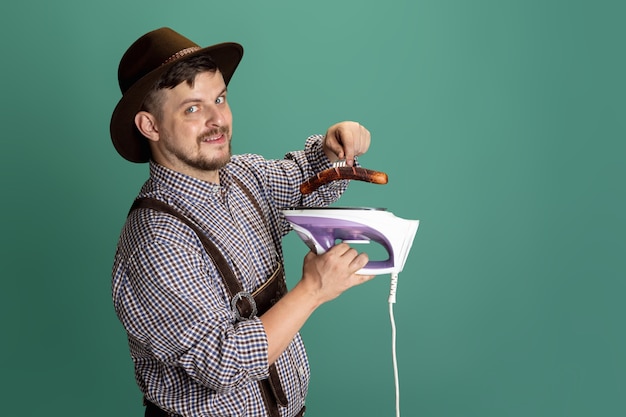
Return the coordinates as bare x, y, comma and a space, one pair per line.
328, 275
324, 278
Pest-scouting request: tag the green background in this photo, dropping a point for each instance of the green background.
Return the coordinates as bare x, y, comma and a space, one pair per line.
501, 124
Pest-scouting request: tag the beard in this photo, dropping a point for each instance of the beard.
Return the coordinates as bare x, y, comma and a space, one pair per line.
198, 161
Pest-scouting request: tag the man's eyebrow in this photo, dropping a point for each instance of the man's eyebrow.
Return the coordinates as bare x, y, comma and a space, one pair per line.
189, 101
199, 100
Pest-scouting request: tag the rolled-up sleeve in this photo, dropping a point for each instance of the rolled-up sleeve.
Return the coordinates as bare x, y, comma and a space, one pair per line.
170, 301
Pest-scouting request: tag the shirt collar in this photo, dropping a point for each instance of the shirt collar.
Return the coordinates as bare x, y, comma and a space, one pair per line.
187, 186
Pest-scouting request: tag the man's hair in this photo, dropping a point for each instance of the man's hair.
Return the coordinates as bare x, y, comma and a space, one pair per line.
184, 70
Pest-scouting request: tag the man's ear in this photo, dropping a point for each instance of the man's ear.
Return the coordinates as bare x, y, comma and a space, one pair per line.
146, 124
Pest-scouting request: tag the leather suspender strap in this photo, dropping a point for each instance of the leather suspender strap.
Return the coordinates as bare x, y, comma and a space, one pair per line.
271, 388
232, 284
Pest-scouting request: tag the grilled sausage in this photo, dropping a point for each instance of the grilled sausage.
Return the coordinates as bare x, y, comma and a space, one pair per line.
342, 173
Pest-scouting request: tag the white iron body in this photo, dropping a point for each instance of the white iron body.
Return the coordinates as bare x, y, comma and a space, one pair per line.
320, 228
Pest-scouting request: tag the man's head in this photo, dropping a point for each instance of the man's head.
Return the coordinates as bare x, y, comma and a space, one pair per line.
143, 65
187, 119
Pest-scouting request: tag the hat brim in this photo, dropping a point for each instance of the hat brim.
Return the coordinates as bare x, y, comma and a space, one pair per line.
128, 141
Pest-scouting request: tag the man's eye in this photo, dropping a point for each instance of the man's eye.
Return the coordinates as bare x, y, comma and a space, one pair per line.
220, 100
191, 109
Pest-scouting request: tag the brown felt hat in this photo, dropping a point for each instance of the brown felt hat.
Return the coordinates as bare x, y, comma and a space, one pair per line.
140, 68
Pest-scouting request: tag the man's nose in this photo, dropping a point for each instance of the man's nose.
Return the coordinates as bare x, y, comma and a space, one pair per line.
214, 116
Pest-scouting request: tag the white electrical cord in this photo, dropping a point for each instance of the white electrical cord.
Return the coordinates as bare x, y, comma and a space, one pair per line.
392, 301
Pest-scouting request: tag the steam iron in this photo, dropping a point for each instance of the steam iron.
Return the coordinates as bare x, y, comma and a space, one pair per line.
321, 227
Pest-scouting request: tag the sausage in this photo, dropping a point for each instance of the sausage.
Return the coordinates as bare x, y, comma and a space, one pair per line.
342, 173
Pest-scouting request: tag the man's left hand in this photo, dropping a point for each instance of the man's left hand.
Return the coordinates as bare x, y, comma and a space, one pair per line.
346, 140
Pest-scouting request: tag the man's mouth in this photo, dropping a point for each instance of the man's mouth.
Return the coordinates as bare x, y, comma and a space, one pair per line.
214, 136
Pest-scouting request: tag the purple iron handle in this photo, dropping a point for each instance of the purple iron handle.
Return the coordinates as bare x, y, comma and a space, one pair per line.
320, 234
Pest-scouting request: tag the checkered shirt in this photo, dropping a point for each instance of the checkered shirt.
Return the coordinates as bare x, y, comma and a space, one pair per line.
191, 356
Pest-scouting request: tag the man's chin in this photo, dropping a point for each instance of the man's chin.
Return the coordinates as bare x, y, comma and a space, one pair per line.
218, 160
214, 164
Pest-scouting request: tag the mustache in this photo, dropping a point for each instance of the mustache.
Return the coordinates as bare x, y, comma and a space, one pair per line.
222, 130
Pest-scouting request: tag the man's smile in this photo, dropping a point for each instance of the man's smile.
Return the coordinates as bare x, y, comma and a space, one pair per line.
215, 137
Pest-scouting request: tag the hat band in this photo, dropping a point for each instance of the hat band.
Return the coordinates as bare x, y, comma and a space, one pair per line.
181, 54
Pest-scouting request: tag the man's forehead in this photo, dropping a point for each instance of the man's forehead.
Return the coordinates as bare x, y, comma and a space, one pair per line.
207, 82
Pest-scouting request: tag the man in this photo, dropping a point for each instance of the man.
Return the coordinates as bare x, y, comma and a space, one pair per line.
206, 222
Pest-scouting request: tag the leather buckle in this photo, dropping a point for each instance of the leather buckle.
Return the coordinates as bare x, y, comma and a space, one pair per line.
238, 297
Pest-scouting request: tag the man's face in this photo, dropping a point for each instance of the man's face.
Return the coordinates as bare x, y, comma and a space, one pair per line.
194, 131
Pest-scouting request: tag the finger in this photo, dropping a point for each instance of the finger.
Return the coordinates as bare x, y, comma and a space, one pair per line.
333, 143
363, 278
351, 256
363, 143
337, 145
359, 261
351, 145
367, 138
341, 248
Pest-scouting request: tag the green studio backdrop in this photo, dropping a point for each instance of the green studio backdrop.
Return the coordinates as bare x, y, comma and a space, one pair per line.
501, 125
